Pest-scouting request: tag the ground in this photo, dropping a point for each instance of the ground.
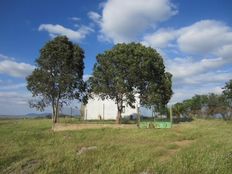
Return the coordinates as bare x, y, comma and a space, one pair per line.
200, 146
64, 127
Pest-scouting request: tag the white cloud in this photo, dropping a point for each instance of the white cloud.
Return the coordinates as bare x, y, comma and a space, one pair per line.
75, 18
4, 57
192, 76
225, 52
124, 21
202, 37
160, 39
95, 17
186, 67
15, 69
213, 77
74, 35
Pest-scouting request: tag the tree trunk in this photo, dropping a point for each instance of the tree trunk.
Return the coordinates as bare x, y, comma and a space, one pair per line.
119, 113
118, 118
53, 111
56, 112
153, 113
119, 103
54, 117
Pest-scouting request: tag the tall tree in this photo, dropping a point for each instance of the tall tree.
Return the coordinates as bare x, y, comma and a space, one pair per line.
130, 69
57, 79
111, 77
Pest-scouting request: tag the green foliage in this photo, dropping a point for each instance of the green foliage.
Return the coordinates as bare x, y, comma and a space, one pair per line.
203, 106
58, 75
207, 105
228, 92
130, 69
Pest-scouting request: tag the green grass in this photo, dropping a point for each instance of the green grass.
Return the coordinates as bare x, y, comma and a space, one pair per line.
202, 146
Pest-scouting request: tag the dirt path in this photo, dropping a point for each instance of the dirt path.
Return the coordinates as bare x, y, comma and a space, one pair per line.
65, 127
172, 152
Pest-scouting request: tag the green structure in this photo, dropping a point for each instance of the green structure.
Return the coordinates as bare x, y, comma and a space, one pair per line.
157, 124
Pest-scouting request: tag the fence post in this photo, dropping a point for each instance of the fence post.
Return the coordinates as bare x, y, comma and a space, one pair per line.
171, 119
138, 116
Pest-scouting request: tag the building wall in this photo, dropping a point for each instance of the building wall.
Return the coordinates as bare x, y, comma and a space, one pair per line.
106, 109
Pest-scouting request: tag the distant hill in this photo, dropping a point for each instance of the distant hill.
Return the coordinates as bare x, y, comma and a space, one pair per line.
29, 115
38, 114
65, 112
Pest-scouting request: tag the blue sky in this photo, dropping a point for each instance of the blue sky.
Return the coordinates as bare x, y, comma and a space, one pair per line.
194, 37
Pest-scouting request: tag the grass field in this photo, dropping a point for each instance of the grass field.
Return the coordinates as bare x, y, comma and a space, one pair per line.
30, 146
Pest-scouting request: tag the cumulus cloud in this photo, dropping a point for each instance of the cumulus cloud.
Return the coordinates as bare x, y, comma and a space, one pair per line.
202, 37
74, 35
225, 52
192, 76
160, 39
15, 69
124, 21
213, 77
187, 67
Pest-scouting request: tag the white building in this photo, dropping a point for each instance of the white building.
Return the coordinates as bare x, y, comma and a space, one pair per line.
107, 109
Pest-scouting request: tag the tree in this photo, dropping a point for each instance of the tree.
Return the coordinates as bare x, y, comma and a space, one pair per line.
198, 102
211, 104
228, 92
111, 78
130, 69
159, 92
178, 109
57, 79
152, 83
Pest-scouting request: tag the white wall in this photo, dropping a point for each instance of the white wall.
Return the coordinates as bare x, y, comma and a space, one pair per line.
106, 108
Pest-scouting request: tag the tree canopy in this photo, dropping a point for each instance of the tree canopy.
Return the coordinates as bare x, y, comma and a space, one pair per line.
130, 69
57, 79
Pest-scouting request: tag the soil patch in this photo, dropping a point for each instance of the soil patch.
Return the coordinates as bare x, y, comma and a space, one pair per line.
65, 127
85, 149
